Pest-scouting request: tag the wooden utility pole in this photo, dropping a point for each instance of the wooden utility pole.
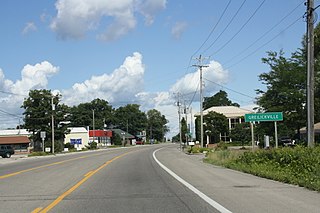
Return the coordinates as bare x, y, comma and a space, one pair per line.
200, 66
310, 73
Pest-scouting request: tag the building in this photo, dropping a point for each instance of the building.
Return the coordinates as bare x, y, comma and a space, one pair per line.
101, 137
303, 132
78, 136
235, 115
17, 138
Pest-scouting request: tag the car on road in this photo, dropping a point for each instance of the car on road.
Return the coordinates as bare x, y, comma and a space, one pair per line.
6, 151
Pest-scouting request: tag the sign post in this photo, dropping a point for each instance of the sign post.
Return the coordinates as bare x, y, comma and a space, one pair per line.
268, 116
43, 136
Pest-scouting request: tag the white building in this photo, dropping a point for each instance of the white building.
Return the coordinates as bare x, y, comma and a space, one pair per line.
234, 115
78, 136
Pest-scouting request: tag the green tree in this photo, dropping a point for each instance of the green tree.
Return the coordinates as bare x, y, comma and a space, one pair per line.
38, 112
156, 125
219, 99
286, 89
184, 129
214, 125
241, 133
130, 118
82, 115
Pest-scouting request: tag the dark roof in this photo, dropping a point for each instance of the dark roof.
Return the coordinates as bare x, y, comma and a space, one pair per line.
121, 132
14, 140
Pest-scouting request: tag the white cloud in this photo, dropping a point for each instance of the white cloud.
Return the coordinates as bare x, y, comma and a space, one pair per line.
30, 26
191, 82
120, 86
75, 17
32, 77
178, 29
124, 85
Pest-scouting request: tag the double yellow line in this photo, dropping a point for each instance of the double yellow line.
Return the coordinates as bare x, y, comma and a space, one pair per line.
77, 185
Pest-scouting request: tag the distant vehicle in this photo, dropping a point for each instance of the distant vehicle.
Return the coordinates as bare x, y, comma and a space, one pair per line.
6, 151
139, 141
286, 141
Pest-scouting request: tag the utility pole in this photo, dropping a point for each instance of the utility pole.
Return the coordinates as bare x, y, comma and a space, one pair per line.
200, 66
93, 130
310, 73
179, 113
52, 124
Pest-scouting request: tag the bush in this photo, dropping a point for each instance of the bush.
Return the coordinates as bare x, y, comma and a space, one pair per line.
299, 165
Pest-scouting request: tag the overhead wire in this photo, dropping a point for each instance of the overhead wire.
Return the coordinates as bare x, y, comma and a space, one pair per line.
213, 29
240, 93
241, 28
226, 27
265, 33
266, 43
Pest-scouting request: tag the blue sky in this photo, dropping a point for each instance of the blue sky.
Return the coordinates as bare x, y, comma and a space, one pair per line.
140, 51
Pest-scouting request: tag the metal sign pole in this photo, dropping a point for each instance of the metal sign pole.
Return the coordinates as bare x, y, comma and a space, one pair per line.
252, 134
276, 133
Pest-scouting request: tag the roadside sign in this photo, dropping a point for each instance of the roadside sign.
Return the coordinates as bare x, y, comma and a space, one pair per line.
268, 116
43, 134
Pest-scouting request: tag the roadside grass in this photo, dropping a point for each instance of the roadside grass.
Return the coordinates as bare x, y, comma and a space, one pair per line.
299, 165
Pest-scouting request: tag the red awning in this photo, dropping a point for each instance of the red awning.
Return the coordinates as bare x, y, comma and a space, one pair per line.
100, 133
14, 140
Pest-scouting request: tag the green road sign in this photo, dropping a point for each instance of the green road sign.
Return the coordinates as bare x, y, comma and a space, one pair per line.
268, 116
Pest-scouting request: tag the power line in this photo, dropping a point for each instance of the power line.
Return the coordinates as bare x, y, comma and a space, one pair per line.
231, 20
248, 96
266, 43
241, 28
212, 30
265, 33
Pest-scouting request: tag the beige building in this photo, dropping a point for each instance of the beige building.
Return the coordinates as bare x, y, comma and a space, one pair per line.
234, 115
78, 136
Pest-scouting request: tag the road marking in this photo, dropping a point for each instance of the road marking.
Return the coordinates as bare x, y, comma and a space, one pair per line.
37, 210
47, 165
211, 202
77, 185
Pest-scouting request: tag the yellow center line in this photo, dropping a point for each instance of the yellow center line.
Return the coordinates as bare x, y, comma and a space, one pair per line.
47, 165
69, 191
37, 210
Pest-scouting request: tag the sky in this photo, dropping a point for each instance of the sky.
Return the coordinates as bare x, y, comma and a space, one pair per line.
141, 51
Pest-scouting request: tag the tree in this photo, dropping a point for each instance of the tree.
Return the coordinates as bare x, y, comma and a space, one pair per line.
241, 133
130, 118
82, 115
156, 124
38, 111
219, 99
214, 124
286, 89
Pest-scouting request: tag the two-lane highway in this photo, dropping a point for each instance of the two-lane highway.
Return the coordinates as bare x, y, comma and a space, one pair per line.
156, 178
119, 180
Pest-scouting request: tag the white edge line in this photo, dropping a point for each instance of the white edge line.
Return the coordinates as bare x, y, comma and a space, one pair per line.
211, 202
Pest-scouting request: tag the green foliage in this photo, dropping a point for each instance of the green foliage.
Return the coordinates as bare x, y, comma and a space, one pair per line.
82, 115
219, 99
92, 145
197, 149
241, 132
116, 139
130, 117
156, 125
38, 111
299, 165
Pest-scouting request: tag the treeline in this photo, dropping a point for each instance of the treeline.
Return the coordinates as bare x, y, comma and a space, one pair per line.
42, 104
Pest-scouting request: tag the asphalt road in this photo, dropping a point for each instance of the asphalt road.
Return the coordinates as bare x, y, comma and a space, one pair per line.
131, 180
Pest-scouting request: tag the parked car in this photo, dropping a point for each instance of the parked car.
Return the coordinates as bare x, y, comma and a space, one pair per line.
286, 141
6, 151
